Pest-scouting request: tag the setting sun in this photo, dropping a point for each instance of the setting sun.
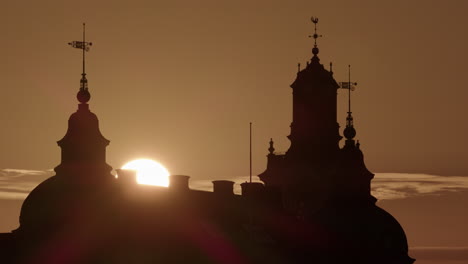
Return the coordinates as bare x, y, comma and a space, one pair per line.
149, 172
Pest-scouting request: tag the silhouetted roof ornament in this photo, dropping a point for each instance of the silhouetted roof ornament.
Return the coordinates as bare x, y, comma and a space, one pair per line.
315, 49
349, 132
83, 95
271, 149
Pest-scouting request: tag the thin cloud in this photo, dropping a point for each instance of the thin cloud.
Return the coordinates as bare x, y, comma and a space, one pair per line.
440, 253
402, 185
17, 183
384, 186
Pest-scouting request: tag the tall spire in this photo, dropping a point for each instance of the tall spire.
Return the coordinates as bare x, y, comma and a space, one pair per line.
349, 132
315, 50
83, 95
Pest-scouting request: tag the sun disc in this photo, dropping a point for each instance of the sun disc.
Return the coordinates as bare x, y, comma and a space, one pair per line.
149, 172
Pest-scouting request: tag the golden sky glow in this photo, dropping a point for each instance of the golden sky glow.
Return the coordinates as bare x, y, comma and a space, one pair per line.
162, 74
179, 81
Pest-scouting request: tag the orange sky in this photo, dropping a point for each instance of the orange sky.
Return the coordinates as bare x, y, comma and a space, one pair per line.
180, 81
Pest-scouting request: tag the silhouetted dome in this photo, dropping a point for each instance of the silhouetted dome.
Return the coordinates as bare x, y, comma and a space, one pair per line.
84, 148
83, 125
364, 232
46, 205
58, 202
314, 77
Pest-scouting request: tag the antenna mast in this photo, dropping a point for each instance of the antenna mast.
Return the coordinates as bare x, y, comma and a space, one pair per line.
250, 149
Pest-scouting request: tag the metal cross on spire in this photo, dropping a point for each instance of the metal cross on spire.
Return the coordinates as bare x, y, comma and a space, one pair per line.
315, 35
83, 95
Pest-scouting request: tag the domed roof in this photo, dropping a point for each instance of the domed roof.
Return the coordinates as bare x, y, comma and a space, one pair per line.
315, 77
59, 201
46, 204
83, 125
364, 232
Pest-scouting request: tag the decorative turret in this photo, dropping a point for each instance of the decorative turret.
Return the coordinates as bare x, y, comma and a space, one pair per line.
81, 181
314, 130
83, 146
303, 173
353, 178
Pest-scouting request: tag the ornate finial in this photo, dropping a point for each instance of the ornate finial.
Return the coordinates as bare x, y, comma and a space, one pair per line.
83, 95
271, 149
349, 132
315, 50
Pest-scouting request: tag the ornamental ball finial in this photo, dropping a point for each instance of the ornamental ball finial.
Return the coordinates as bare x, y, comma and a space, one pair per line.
83, 96
349, 132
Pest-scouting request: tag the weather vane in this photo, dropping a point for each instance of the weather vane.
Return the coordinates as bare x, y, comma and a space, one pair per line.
315, 35
83, 45
349, 132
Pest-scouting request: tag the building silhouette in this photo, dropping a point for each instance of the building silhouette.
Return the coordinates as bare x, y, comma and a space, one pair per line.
314, 205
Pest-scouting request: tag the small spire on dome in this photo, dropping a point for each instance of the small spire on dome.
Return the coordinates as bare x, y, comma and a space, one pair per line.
271, 149
349, 132
83, 95
315, 49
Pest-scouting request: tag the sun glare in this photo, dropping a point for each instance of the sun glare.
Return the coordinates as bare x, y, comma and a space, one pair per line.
149, 172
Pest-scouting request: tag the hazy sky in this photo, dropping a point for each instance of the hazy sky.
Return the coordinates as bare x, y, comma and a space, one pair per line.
179, 81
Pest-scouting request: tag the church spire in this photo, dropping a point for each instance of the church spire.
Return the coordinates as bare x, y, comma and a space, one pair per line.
83, 95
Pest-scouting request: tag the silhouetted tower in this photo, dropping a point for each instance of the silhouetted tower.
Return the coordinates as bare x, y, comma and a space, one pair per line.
314, 129
304, 173
83, 146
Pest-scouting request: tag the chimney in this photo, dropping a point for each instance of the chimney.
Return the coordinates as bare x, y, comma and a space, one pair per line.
126, 176
179, 182
223, 187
